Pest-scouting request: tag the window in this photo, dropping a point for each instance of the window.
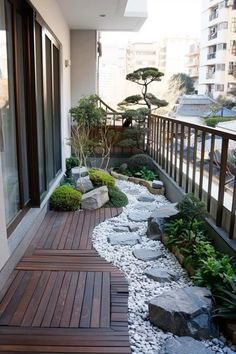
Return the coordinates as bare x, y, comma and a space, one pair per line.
222, 25
220, 67
212, 32
145, 52
219, 87
233, 24
233, 47
213, 13
221, 46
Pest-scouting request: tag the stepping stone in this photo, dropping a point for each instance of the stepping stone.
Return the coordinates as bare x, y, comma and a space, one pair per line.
145, 206
157, 184
124, 240
139, 215
184, 312
161, 275
184, 345
146, 255
121, 229
133, 228
166, 211
145, 198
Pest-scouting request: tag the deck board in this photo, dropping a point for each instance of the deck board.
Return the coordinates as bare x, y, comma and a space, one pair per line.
62, 296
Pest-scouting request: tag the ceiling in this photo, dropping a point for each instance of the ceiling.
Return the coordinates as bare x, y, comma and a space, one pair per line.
120, 15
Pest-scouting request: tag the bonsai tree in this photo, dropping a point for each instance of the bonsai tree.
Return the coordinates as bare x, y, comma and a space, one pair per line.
142, 77
85, 117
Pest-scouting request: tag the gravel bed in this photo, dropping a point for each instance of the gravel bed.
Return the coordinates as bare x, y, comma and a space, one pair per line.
144, 337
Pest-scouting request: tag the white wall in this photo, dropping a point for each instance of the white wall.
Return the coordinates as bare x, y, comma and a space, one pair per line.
53, 16
83, 63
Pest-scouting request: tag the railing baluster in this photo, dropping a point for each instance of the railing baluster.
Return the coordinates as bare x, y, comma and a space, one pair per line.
163, 143
181, 153
194, 160
223, 165
232, 216
187, 160
160, 142
176, 150
210, 175
202, 164
167, 146
171, 148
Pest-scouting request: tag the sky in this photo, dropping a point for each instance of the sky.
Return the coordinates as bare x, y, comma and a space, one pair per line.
166, 18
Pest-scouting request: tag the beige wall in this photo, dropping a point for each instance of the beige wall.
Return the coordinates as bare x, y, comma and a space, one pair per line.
83, 64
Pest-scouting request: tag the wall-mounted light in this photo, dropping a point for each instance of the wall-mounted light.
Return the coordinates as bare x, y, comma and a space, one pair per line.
102, 15
67, 63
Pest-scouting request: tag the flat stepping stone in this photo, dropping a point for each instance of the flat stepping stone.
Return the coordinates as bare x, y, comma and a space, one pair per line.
184, 312
145, 206
124, 240
139, 216
145, 198
161, 275
121, 229
165, 211
126, 227
184, 345
146, 255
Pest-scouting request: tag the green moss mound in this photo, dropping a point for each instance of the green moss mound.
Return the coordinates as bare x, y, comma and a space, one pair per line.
117, 198
65, 198
142, 160
101, 178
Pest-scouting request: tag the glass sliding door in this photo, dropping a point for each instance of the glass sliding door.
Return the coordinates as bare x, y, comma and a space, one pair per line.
7, 116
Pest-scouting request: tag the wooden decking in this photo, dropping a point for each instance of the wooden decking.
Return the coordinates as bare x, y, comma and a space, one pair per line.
63, 297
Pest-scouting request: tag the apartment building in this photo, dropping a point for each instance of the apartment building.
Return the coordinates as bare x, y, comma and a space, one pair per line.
193, 63
217, 74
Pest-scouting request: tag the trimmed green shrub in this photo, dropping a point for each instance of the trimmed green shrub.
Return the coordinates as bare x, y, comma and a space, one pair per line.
101, 178
213, 121
70, 163
141, 160
65, 198
117, 198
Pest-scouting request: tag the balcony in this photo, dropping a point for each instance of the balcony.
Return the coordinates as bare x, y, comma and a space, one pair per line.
213, 15
212, 36
211, 56
210, 75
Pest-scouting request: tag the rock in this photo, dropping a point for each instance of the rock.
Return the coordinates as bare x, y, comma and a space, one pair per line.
157, 184
84, 184
124, 239
161, 275
95, 199
155, 228
77, 172
121, 229
139, 215
184, 345
145, 198
165, 212
145, 206
146, 255
119, 176
184, 312
133, 228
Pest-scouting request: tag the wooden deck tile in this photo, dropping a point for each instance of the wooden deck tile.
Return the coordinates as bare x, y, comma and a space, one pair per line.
63, 297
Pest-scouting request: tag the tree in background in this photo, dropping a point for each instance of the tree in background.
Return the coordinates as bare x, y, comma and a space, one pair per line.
180, 84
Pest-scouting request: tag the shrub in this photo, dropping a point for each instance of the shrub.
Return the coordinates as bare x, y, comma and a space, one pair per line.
70, 163
142, 160
213, 121
101, 178
117, 198
65, 198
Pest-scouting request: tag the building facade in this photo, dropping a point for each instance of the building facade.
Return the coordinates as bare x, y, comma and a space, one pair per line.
217, 74
193, 63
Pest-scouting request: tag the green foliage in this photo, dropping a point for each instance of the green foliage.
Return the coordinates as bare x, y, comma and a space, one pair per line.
145, 173
117, 197
192, 208
65, 198
87, 112
145, 74
181, 83
226, 299
213, 121
225, 102
70, 163
101, 178
142, 160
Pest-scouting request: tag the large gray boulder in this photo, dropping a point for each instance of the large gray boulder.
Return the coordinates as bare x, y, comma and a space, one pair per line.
95, 199
184, 312
184, 345
146, 254
84, 184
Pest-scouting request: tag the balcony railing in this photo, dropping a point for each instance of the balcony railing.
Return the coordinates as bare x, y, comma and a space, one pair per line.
212, 36
211, 56
210, 75
198, 159
213, 15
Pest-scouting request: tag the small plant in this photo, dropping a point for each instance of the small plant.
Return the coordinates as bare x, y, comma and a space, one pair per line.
70, 163
145, 173
65, 198
117, 198
226, 301
101, 178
